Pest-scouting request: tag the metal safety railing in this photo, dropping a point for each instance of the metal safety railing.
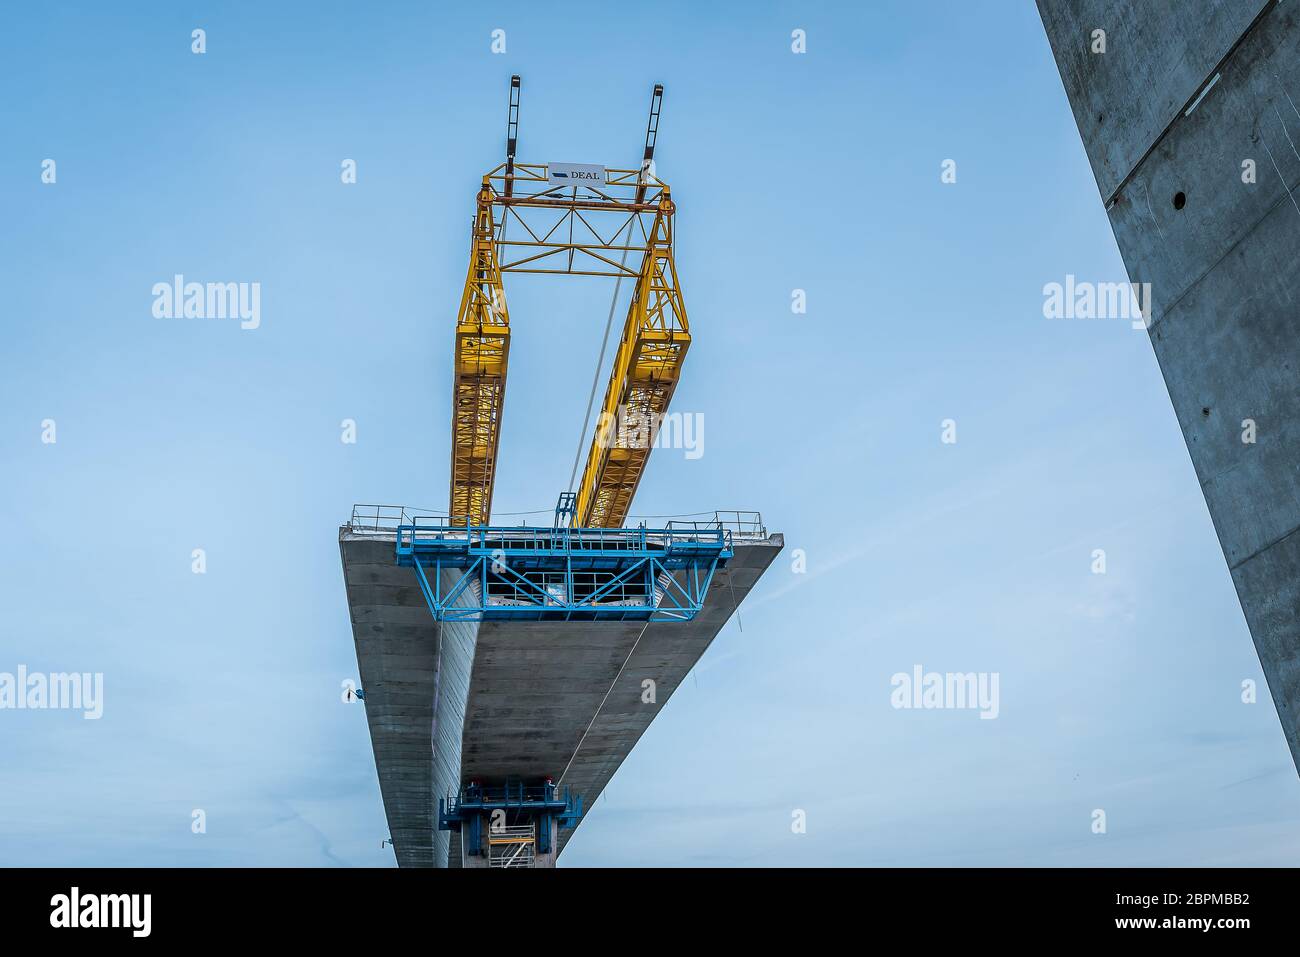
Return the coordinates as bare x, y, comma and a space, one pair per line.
740, 525
388, 518
512, 846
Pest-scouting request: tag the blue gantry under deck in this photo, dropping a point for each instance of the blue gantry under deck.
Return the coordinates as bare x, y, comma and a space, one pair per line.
510, 814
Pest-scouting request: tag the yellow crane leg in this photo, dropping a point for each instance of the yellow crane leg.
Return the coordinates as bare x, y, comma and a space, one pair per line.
479, 383
645, 373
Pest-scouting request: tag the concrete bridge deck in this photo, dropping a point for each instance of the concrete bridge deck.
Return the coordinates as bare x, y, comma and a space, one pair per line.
454, 701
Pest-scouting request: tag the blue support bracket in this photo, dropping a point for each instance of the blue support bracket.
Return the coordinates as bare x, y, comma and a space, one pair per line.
521, 573
565, 509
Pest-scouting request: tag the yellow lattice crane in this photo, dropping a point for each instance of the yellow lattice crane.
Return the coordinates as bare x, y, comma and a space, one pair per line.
482, 354
582, 220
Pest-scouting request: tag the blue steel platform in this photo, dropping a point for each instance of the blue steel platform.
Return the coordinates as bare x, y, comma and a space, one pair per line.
521, 573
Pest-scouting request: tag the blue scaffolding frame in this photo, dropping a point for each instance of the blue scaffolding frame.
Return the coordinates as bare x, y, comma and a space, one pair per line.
540, 803
522, 573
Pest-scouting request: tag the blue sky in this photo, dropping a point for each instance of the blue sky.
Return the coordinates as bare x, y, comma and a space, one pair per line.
819, 172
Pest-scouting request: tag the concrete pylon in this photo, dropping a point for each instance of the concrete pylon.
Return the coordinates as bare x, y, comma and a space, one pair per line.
1189, 111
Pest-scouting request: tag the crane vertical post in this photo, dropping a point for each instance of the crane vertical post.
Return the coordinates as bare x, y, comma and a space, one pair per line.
651, 134
512, 134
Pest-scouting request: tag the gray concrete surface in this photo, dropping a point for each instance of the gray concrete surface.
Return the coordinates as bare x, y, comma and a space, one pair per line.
486, 700
1223, 269
397, 651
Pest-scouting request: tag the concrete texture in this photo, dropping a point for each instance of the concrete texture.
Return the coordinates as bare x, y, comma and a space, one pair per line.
1223, 269
1158, 55
486, 700
397, 654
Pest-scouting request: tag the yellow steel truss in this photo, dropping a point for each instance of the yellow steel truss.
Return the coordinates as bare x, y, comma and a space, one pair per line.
482, 353
588, 231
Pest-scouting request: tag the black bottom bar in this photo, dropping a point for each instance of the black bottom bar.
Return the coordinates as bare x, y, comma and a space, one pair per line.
382, 908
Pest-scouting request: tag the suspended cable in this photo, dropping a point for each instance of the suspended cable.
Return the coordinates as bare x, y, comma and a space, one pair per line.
604, 343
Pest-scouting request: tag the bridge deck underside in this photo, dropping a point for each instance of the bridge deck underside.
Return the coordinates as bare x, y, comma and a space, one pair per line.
563, 699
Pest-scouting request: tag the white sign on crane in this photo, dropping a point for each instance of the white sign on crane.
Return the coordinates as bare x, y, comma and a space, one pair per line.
575, 174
